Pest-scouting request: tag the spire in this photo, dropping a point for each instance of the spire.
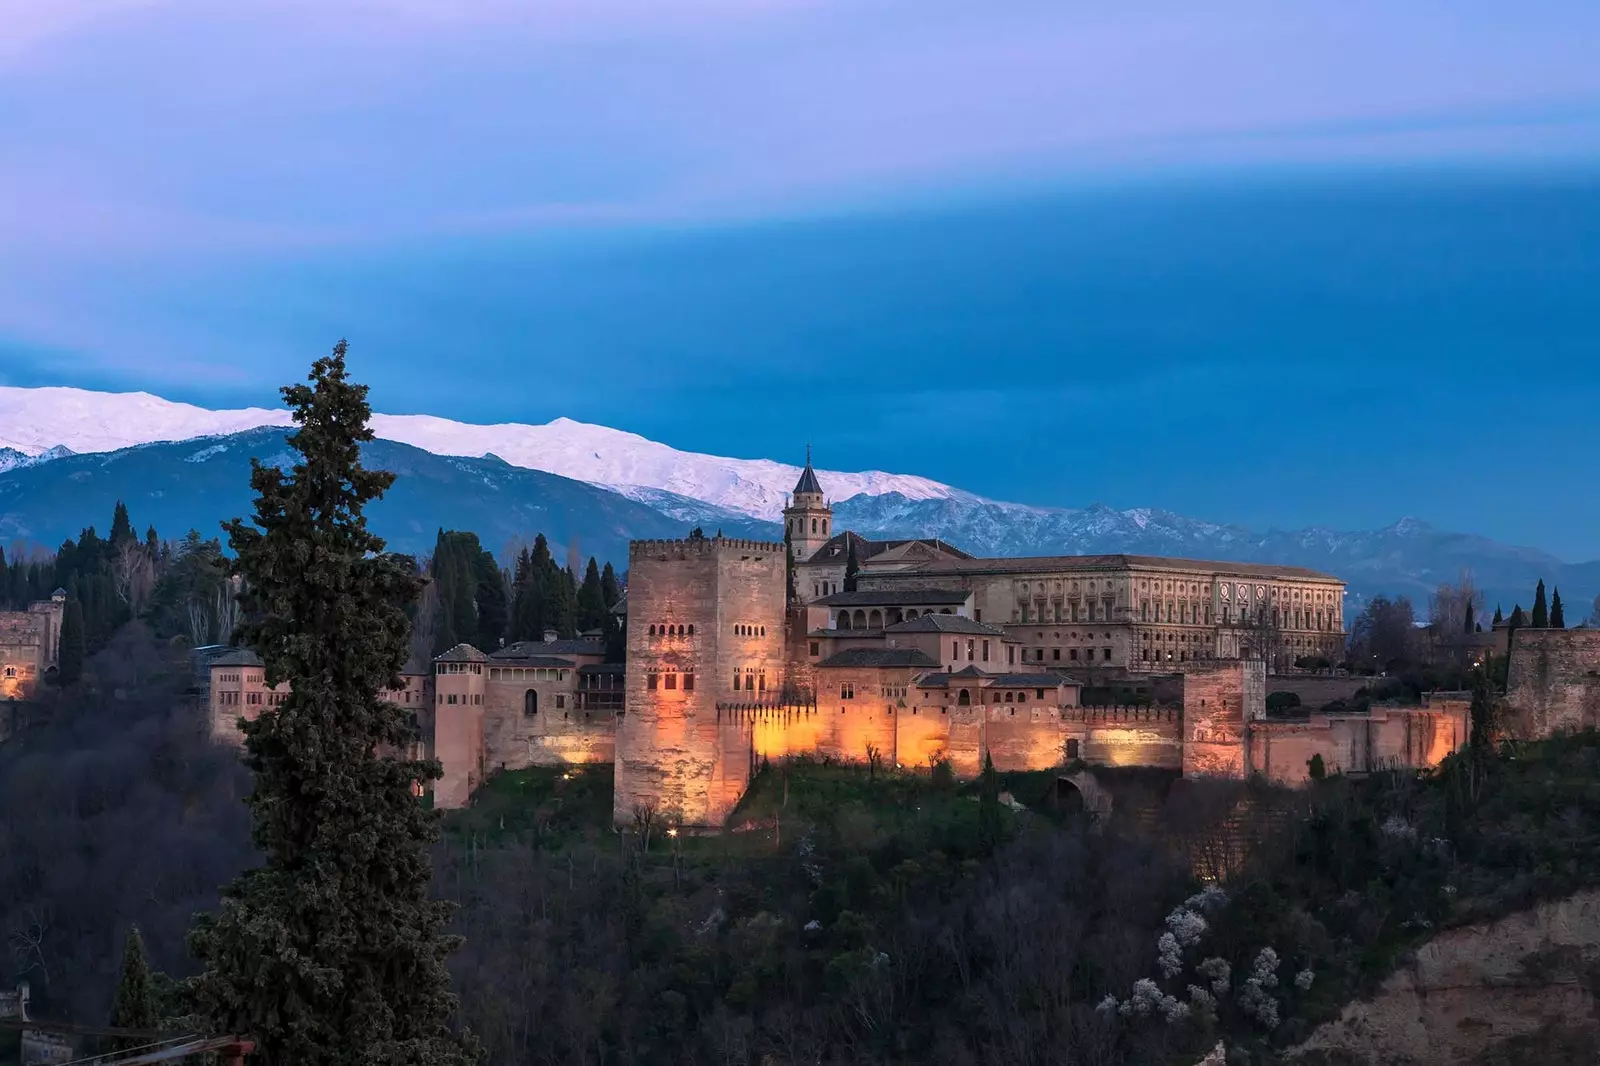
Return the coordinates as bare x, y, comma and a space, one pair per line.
808, 478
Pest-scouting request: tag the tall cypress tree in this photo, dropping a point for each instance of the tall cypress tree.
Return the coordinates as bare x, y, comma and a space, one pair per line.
561, 608
1498, 617
1558, 618
332, 952
121, 527
609, 587
788, 567
1541, 613
69, 659
135, 1006
591, 600
851, 567
489, 586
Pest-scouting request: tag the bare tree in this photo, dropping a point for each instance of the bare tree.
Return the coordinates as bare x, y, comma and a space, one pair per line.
133, 574
425, 626
198, 616
227, 609
27, 945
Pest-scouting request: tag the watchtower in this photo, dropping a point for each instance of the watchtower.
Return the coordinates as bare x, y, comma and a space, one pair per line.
705, 627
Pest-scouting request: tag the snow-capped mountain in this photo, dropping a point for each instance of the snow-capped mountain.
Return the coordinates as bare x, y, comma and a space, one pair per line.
32, 420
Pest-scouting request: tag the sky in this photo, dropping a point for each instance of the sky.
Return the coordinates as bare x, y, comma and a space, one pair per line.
1276, 264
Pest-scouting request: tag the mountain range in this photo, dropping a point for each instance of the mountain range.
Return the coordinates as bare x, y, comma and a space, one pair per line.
67, 456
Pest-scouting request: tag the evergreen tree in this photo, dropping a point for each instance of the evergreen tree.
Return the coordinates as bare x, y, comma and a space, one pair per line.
135, 1006
562, 606
851, 567
609, 587
1518, 619
1471, 626
591, 600
988, 805
69, 659
1558, 618
493, 608
5, 581
333, 952
121, 527
1541, 613
525, 606
1498, 617
152, 543
789, 597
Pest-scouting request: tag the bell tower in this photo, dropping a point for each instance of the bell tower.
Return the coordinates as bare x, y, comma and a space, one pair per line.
808, 519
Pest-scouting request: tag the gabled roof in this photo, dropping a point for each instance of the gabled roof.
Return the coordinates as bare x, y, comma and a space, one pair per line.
908, 657
1045, 680
894, 598
236, 657
837, 549
461, 653
846, 634
603, 668
945, 623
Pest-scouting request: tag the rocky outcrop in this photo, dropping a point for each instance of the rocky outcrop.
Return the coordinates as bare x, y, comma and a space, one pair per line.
1471, 990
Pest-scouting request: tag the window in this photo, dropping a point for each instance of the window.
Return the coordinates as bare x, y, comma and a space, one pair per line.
1055, 654
688, 682
561, 700
847, 690
530, 702
736, 681
1010, 696
1108, 655
1072, 654
977, 615
1072, 749
964, 699
1038, 693
969, 650
672, 683
651, 680
986, 651
955, 649
1038, 655
814, 650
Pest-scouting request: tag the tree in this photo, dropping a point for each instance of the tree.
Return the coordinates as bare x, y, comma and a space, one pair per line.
851, 567
121, 527
609, 587
1594, 613
69, 660
988, 805
1558, 617
562, 606
1499, 618
1382, 635
332, 952
1541, 613
592, 606
789, 596
135, 1005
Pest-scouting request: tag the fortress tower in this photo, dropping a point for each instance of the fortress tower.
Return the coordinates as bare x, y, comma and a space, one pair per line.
705, 628
808, 518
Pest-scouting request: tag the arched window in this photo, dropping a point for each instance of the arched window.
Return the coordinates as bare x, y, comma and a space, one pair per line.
652, 631
859, 619
964, 699
763, 631
911, 614
691, 629
1009, 697
844, 620
875, 619
813, 525
530, 702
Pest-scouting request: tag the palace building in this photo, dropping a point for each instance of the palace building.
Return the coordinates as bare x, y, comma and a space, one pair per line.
923, 654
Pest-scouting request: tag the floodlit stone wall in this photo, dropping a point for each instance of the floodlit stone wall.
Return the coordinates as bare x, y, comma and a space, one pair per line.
1553, 684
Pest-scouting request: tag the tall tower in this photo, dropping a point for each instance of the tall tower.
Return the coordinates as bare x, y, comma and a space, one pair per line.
705, 635
808, 518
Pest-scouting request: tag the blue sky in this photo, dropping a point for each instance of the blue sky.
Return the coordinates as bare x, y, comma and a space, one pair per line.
1321, 263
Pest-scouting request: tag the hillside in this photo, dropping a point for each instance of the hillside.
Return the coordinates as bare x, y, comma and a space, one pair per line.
199, 483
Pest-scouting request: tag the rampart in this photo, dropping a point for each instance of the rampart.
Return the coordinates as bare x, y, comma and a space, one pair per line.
1553, 683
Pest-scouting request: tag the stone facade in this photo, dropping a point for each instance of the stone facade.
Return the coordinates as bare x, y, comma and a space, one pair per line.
1553, 682
30, 646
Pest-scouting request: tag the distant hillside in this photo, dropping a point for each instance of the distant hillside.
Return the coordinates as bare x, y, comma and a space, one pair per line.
199, 483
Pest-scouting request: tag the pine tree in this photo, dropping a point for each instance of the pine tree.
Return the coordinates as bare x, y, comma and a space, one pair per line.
135, 1006
1471, 626
524, 609
1541, 613
1519, 617
493, 608
591, 599
851, 567
562, 606
1558, 618
333, 951
1498, 617
609, 587
69, 659
121, 527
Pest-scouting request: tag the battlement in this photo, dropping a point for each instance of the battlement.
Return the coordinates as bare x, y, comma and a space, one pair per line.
701, 546
1119, 713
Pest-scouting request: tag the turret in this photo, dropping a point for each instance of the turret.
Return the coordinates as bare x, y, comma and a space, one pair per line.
808, 519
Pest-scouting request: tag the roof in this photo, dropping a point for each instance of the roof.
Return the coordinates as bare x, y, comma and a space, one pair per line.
846, 634
1050, 563
531, 660
909, 657
523, 649
603, 668
1045, 680
945, 623
621, 606
461, 653
808, 479
837, 548
893, 597
237, 657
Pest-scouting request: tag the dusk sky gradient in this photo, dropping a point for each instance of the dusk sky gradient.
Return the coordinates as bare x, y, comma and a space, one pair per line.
1277, 264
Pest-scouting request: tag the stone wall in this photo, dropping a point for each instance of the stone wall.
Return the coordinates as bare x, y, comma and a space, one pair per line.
546, 729
1127, 736
1554, 682
1418, 738
1318, 690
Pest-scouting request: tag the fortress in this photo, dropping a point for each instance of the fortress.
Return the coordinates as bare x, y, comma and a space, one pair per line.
903, 653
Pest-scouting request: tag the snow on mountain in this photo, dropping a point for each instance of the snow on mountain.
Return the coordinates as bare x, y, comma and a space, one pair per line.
31, 420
